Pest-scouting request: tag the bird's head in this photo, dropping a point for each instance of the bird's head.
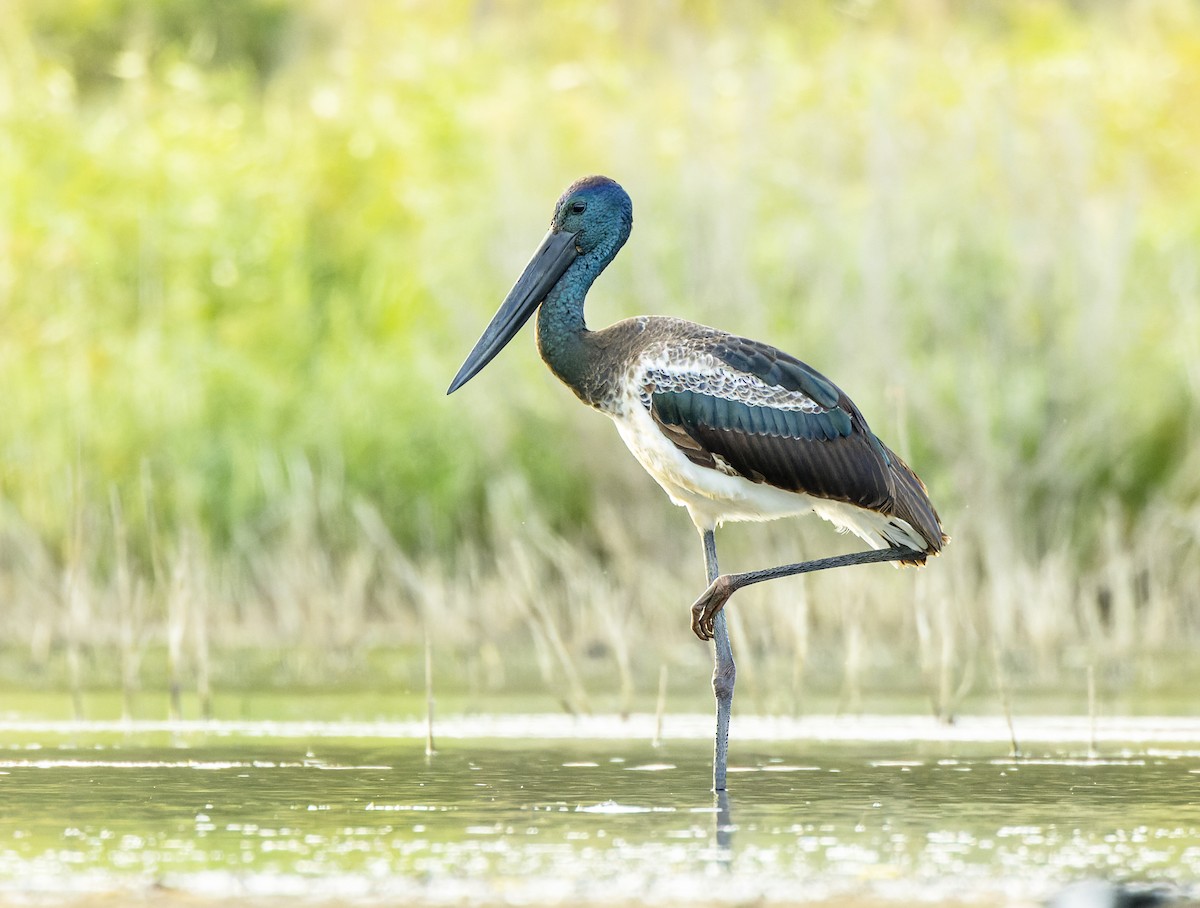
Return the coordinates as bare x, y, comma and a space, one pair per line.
597, 212
592, 220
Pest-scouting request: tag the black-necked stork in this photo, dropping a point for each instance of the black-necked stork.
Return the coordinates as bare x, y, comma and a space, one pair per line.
731, 428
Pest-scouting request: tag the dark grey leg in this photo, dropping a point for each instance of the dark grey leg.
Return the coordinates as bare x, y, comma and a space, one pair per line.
724, 670
709, 624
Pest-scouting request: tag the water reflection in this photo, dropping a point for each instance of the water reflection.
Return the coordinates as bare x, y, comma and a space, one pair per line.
586, 821
723, 826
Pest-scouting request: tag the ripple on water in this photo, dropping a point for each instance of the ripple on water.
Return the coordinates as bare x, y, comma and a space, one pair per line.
547, 821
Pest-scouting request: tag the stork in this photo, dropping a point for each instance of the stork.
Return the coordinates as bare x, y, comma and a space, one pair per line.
731, 428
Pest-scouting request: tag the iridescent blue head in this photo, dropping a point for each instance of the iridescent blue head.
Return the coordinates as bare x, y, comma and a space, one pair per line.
598, 212
592, 220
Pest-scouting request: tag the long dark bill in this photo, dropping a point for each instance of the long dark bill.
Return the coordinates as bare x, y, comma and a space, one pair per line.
556, 252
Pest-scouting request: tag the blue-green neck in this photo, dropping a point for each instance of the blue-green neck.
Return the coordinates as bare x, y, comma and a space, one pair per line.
562, 334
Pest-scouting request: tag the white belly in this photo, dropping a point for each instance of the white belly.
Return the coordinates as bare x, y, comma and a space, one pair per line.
713, 497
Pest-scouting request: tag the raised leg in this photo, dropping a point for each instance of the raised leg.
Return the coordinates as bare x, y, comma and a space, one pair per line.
724, 670
708, 622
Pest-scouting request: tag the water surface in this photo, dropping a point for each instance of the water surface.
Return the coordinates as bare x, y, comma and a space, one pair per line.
261, 812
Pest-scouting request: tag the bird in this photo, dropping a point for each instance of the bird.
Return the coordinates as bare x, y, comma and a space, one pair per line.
731, 428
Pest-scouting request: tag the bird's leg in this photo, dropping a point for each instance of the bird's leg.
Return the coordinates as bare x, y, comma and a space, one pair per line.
724, 670
706, 611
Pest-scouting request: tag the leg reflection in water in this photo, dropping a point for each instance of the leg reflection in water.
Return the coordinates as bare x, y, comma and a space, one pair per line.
723, 828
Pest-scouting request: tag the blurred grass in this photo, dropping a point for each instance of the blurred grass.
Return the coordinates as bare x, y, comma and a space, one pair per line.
244, 246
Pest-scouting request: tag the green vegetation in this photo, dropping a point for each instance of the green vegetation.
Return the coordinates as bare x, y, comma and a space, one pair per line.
244, 246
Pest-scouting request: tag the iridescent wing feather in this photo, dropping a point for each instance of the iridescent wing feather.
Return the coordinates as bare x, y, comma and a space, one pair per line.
746, 408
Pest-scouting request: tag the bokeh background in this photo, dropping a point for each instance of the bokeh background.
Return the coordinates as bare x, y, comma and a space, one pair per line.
245, 244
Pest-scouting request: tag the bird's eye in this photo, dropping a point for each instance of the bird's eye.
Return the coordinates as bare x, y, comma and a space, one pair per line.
578, 207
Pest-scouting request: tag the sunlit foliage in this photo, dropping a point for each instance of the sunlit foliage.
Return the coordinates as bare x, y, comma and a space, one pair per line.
243, 239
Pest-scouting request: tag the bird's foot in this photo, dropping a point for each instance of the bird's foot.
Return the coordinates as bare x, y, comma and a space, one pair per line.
710, 602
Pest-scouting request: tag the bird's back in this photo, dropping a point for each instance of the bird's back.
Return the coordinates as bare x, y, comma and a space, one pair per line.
719, 413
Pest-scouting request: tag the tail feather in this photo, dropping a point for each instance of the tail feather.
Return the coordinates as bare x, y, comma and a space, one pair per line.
911, 504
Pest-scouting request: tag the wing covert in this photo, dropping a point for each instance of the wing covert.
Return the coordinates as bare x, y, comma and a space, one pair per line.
822, 454
750, 409
774, 367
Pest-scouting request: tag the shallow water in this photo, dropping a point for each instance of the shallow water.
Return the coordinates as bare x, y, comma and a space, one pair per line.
337, 812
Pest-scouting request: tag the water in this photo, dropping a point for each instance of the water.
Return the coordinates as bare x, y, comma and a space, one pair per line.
359, 814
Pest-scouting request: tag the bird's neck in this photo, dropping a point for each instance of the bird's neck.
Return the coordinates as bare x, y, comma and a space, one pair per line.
562, 334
